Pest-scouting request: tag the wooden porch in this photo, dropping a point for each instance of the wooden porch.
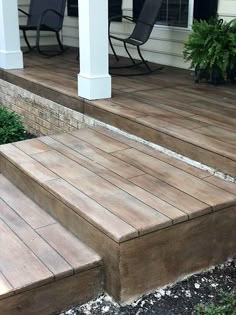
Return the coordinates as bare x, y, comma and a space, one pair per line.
167, 108
150, 217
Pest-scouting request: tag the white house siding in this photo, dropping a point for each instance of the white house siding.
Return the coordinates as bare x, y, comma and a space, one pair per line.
227, 9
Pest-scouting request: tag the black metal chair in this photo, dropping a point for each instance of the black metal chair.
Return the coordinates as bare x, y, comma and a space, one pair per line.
44, 15
143, 27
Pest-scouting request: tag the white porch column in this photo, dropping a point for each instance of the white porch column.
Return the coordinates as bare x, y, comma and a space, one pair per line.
10, 54
94, 81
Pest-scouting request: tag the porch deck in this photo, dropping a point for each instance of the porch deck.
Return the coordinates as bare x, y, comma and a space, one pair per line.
167, 108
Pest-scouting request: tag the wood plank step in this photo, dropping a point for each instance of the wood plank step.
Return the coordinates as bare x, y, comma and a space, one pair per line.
178, 131
34, 256
116, 195
145, 193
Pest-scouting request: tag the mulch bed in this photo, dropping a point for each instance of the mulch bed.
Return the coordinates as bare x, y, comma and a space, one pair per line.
179, 299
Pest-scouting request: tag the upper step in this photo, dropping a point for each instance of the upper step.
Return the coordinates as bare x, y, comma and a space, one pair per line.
126, 201
123, 188
36, 250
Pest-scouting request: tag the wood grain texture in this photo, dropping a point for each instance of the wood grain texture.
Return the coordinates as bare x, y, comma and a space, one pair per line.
121, 218
119, 202
56, 296
194, 120
80, 227
100, 141
225, 185
187, 183
31, 146
31, 166
102, 158
171, 141
18, 264
173, 213
76, 253
23, 206
37, 245
192, 246
157, 154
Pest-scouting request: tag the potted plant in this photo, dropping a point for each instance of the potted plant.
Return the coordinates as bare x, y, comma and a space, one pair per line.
211, 50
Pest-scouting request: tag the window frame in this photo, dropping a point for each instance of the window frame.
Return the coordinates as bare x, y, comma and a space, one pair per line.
190, 20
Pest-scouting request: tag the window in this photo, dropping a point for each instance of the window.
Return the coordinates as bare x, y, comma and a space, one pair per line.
174, 13
179, 13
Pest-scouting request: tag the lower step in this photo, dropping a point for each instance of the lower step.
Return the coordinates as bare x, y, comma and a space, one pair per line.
43, 267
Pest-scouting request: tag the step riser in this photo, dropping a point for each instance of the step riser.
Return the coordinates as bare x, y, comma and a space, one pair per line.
87, 233
133, 268
56, 296
175, 144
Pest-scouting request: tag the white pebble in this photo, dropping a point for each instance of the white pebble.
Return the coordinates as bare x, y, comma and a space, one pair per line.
197, 285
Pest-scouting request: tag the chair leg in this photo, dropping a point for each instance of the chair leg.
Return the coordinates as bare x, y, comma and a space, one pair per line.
143, 60
129, 53
49, 53
38, 41
113, 49
27, 42
59, 42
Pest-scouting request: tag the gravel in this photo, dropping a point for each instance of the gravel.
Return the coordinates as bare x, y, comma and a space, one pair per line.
178, 299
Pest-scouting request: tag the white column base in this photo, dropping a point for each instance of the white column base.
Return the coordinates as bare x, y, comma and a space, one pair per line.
11, 60
93, 88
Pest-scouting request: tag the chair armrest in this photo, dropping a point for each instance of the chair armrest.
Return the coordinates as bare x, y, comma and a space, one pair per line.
22, 11
44, 13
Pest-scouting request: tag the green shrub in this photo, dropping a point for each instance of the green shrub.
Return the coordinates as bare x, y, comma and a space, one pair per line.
225, 306
212, 45
11, 127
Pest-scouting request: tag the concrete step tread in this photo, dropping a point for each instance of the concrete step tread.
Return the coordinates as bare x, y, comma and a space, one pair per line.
119, 186
35, 249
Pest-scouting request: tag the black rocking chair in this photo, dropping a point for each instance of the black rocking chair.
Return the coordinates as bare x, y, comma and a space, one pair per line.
143, 27
44, 15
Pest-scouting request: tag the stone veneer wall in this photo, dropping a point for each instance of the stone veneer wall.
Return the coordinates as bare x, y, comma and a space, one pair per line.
39, 115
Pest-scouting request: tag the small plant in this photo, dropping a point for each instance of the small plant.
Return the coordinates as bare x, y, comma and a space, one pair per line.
225, 306
211, 49
11, 127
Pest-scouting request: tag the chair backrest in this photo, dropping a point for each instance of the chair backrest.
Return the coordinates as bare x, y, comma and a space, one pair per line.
37, 7
146, 20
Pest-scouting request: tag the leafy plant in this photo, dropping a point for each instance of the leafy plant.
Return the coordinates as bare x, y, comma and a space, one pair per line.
11, 127
211, 47
225, 306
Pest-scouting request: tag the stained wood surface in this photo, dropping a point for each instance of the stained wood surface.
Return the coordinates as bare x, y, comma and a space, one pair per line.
35, 250
124, 200
161, 107
56, 296
124, 188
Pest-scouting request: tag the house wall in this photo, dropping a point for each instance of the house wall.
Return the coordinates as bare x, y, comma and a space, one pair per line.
165, 45
227, 9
